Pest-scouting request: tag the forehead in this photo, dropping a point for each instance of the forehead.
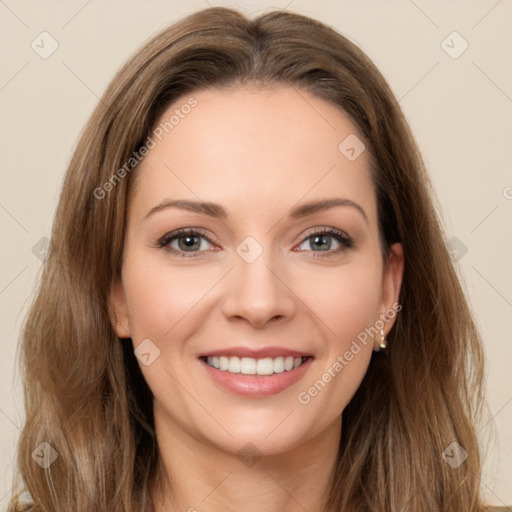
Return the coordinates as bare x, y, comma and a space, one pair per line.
253, 147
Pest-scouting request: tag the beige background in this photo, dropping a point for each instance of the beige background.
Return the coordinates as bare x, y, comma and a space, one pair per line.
460, 110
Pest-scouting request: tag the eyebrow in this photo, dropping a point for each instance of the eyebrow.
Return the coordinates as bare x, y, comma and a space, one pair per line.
216, 210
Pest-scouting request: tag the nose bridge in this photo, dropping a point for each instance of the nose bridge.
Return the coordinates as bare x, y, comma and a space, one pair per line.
258, 292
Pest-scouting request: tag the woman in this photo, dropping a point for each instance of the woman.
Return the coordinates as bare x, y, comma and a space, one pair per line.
190, 349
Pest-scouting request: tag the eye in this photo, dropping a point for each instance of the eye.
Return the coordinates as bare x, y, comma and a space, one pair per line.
184, 242
189, 242
323, 241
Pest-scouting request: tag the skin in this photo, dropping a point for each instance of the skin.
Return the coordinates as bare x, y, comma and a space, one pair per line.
257, 152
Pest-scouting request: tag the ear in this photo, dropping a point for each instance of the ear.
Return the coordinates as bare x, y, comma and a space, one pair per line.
118, 310
391, 283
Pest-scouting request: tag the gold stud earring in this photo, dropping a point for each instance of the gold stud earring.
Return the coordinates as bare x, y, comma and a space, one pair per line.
383, 345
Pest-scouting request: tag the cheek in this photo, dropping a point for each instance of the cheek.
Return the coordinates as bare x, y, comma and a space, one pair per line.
345, 299
347, 302
159, 296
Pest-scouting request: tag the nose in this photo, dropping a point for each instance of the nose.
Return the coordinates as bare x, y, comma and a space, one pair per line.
259, 293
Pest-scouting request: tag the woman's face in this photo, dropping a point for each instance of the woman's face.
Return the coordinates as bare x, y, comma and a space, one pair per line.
267, 280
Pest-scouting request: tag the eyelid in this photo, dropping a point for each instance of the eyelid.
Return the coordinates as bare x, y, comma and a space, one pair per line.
323, 230
164, 241
342, 237
345, 240
186, 231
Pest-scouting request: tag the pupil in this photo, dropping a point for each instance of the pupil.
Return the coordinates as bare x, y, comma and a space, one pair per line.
322, 238
189, 241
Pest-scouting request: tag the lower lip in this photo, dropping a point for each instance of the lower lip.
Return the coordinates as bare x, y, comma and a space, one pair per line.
257, 386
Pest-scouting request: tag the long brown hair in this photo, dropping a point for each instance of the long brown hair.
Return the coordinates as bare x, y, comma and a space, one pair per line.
84, 393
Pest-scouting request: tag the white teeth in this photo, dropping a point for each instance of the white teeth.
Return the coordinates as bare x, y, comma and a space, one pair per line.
234, 365
250, 366
288, 363
265, 366
279, 365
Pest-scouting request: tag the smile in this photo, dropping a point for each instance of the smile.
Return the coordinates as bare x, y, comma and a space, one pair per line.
256, 373
252, 366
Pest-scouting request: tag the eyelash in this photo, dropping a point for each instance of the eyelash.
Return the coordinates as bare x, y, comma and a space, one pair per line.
345, 241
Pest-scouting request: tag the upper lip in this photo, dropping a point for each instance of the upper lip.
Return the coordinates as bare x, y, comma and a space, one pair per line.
255, 353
